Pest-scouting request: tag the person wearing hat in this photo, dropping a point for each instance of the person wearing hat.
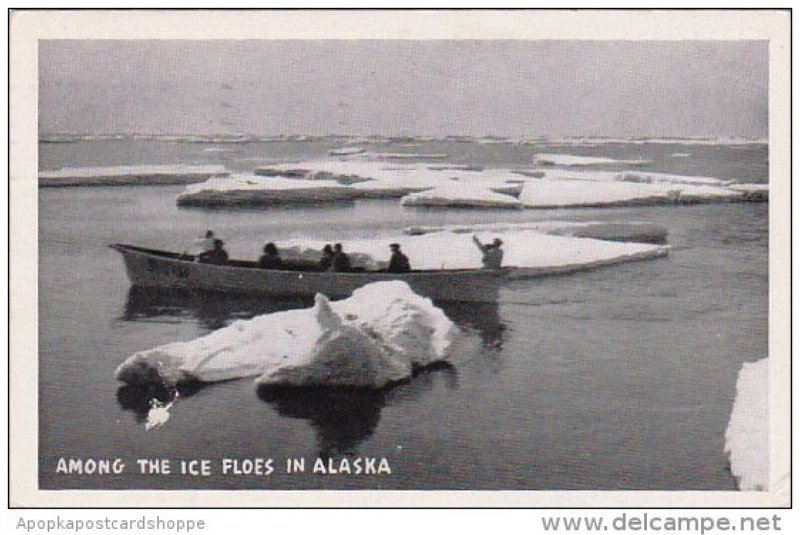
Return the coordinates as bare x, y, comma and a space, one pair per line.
398, 263
217, 255
340, 261
202, 245
326, 261
270, 259
492, 253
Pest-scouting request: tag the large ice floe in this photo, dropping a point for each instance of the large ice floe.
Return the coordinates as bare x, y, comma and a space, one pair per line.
376, 337
625, 231
125, 175
533, 252
459, 185
565, 188
747, 436
251, 190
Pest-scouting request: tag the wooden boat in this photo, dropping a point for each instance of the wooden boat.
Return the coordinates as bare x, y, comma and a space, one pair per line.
150, 268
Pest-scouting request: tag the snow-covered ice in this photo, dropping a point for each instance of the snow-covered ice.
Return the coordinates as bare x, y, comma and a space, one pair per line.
407, 156
747, 435
549, 193
633, 231
570, 160
346, 151
456, 194
752, 192
376, 337
130, 175
242, 190
565, 193
425, 184
533, 252
158, 414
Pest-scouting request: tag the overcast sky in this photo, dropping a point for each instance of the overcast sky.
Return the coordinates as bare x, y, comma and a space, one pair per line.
507, 88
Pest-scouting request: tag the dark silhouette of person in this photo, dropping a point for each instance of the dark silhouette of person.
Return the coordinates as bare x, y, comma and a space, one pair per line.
492, 253
217, 255
340, 261
326, 261
270, 259
398, 263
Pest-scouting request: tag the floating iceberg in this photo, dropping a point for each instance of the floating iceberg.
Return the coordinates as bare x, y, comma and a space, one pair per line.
251, 190
458, 195
747, 436
376, 337
126, 175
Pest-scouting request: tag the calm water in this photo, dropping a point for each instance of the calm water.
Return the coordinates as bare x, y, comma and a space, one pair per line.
619, 378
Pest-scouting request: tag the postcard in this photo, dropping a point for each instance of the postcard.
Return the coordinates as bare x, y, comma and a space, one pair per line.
400, 258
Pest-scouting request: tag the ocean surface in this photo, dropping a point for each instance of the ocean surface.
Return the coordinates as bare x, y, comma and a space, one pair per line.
617, 378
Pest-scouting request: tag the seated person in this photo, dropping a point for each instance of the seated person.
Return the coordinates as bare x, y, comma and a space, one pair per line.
398, 263
270, 259
217, 255
340, 261
327, 258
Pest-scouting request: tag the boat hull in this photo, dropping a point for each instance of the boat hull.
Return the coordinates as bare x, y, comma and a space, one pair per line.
151, 269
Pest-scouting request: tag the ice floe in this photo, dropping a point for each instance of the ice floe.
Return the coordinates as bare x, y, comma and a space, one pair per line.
130, 175
407, 156
460, 195
251, 190
633, 231
747, 435
346, 151
459, 185
158, 414
567, 193
570, 160
752, 192
376, 337
532, 252
548, 193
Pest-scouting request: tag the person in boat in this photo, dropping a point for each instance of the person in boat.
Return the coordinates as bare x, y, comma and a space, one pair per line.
340, 261
217, 255
270, 259
327, 258
203, 245
398, 263
492, 253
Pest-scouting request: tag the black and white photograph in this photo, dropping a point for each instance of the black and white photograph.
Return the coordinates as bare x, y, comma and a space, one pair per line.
407, 263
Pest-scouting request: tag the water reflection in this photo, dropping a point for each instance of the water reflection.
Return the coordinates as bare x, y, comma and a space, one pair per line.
137, 398
483, 318
212, 310
216, 310
344, 417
